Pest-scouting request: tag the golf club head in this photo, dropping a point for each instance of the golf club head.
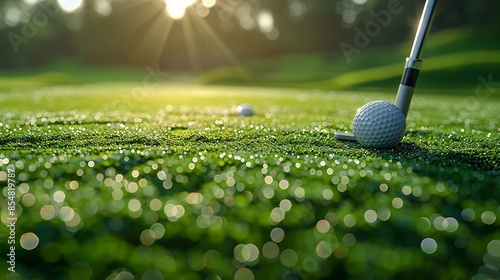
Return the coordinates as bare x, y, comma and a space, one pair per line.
412, 67
345, 136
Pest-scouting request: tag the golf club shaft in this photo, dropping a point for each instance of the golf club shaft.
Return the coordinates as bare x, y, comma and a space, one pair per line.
413, 62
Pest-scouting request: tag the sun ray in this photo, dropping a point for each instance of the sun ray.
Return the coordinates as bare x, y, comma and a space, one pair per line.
190, 42
151, 42
225, 50
226, 11
151, 9
127, 5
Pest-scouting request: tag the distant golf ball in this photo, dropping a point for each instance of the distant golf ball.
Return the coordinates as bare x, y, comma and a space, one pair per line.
244, 110
379, 124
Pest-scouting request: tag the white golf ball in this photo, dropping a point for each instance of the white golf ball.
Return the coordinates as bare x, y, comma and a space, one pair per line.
244, 110
379, 124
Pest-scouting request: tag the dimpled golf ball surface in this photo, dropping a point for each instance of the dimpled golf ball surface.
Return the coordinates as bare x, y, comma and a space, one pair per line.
379, 124
244, 110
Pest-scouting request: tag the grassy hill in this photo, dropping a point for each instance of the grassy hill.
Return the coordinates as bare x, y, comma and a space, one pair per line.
453, 60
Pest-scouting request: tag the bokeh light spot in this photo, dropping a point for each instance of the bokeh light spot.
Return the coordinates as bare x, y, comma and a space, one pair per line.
132, 187
208, 3
370, 216
134, 205
488, 217
152, 275
277, 235
324, 250
47, 212
103, 7
349, 220
429, 245
66, 213
157, 231
29, 241
147, 237
277, 215
246, 253
270, 250
397, 203
155, 204
289, 258
286, 205
468, 214
340, 251
28, 200
494, 248
265, 20
327, 194
349, 239
323, 226
244, 274
59, 196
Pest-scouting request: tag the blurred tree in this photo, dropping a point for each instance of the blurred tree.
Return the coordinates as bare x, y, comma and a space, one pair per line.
32, 34
140, 32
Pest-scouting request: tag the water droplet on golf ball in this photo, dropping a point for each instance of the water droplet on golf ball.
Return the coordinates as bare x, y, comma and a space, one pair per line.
379, 124
245, 110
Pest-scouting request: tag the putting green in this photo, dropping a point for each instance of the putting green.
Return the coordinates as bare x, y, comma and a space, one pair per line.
166, 182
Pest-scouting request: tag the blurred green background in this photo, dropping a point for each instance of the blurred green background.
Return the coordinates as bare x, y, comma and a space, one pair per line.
280, 42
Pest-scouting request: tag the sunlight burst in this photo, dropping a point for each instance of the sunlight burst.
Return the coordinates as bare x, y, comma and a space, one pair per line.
177, 8
70, 6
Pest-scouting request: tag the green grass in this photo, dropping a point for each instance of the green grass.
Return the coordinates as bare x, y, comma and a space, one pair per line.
167, 183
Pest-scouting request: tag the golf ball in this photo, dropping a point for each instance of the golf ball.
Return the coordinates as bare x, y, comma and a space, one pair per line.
244, 110
379, 124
